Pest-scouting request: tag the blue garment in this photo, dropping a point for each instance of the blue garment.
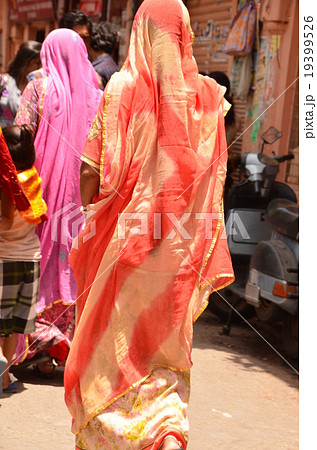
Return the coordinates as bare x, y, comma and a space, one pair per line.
105, 66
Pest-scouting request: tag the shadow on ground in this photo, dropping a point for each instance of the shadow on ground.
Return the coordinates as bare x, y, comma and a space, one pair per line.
260, 350
30, 376
251, 351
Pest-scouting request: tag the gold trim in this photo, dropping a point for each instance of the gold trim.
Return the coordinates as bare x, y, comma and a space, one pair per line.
55, 303
220, 275
90, 162
226, 107
94, 129
192, 35
214, 239
104, 135
42, 98
202, 309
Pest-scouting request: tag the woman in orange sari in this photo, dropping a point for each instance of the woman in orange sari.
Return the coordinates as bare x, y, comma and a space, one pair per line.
154, 245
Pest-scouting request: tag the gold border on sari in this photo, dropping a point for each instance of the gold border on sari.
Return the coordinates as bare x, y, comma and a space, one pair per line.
90, 162
137, 383
104, 134
42, 98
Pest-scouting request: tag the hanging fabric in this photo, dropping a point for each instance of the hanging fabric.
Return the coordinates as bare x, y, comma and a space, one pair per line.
240, 38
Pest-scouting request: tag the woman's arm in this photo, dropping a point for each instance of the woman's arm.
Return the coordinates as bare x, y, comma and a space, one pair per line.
89, 183
28, 112
7, 211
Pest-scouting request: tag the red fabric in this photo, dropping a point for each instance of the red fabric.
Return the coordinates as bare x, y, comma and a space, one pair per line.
158, 442
9, 179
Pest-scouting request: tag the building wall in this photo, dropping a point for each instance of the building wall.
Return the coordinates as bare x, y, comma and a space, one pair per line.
210, 21
3, 34
14, 33
273, 103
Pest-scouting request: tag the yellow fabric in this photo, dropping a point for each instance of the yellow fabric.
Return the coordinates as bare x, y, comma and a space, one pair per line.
31, 184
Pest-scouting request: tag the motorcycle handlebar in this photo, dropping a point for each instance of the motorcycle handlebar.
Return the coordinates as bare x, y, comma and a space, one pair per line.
284, 157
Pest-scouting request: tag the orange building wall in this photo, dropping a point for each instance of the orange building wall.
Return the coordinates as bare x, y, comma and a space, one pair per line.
277, 92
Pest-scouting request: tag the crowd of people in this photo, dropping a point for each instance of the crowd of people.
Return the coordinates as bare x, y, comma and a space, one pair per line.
81, 144
57, 85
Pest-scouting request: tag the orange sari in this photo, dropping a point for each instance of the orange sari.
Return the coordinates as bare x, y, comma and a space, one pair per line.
155, 246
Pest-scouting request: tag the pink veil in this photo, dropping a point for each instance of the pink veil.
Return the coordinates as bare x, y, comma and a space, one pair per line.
71, 99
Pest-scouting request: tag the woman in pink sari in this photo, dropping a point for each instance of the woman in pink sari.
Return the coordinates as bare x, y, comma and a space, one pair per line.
154, 246
60, 107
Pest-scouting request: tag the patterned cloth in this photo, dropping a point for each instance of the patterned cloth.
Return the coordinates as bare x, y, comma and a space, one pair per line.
30, 108
155, 246
39, 73
53, 335
54, 331
134, 420
105, 66
19, 282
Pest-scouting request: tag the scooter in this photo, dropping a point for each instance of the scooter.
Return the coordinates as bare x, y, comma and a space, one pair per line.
245, 208
272, 287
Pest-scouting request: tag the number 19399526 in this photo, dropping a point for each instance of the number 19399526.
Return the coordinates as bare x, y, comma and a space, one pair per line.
308, 47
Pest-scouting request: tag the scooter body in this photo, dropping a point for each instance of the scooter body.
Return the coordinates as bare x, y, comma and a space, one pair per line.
272, 287
246, 227
245, 208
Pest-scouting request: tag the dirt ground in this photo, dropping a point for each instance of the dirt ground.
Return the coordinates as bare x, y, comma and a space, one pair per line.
244, 396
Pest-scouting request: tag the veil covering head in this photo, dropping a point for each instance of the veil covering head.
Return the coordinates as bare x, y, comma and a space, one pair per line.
159, 143
68, 105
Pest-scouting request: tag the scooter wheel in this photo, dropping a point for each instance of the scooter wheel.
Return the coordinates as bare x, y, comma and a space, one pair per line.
290, 335
269, 312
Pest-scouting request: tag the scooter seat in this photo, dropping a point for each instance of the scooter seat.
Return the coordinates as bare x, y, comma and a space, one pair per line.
283, 216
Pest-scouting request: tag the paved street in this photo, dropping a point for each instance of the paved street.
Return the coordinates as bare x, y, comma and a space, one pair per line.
244, 396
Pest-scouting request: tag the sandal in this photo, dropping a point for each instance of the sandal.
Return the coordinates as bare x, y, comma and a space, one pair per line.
3, 366
11, 389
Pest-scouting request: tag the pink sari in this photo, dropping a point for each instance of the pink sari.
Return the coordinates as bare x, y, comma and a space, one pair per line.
145, 276
71, 100
61, 108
